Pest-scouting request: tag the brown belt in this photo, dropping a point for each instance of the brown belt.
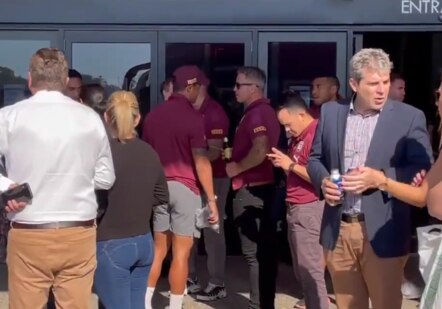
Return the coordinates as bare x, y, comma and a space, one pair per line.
356, 218
53, 225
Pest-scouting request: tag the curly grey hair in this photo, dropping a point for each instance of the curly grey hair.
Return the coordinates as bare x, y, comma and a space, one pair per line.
371, 58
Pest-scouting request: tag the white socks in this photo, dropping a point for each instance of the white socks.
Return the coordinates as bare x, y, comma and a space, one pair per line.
148, 298
176, 301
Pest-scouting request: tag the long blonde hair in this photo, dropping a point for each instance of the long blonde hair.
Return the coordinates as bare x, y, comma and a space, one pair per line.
123, 114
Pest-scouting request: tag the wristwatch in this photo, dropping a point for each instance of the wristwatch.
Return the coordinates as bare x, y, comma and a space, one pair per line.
292, 166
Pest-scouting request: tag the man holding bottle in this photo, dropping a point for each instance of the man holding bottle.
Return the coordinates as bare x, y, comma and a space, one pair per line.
253, 183
366, 233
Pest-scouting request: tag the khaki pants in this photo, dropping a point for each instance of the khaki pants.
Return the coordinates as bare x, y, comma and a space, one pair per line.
359, 274
38, 259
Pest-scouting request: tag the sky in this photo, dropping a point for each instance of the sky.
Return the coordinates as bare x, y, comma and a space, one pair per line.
109, 60
16, 54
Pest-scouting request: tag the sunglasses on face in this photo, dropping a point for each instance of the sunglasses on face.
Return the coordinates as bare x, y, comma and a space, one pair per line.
239, 85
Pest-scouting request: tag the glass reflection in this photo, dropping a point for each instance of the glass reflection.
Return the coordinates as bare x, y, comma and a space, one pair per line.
14, 64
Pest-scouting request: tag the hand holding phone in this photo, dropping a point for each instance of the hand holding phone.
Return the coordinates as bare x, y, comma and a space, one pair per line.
18, 193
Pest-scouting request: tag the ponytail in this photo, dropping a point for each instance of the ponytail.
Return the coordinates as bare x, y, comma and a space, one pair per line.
122, 113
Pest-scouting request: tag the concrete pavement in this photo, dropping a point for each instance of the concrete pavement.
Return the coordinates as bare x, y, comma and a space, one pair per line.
237, 288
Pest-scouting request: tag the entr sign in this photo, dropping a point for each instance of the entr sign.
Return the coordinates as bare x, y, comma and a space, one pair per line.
421, 7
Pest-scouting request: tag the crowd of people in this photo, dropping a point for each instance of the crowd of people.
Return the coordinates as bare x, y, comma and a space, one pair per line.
109, 206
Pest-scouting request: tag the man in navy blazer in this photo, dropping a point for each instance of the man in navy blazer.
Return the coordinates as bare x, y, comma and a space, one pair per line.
365, 232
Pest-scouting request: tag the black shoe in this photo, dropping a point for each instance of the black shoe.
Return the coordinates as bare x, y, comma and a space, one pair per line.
193, 286
211, 293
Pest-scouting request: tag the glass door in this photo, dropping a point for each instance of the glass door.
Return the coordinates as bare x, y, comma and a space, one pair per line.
16, 49
219, 55
293, 60
116, 60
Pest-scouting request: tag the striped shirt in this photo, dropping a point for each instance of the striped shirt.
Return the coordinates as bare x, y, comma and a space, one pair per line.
358, 134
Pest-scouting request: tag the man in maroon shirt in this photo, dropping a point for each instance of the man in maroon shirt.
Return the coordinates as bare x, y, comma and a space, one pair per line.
216, 124
304, 213
253, 183
324, 89
176, 131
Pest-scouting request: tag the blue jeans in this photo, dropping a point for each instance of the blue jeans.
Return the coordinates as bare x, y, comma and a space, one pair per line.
123, 266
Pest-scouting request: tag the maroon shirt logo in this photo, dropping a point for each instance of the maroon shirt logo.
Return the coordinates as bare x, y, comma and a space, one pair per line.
300, 146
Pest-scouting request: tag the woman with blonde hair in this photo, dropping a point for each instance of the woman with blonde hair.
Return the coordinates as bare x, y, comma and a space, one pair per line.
125, 246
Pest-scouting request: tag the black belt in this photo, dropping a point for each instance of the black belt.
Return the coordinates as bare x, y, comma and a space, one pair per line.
53, 225
353, 218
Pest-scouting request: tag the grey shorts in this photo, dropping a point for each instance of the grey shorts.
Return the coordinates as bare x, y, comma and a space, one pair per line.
179, 216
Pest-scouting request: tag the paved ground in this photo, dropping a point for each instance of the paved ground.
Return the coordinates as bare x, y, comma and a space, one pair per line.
236, 284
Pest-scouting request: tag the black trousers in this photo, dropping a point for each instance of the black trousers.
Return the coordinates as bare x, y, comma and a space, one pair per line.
252, 209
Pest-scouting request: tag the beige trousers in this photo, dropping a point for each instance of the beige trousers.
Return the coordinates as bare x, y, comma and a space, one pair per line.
38, 259
358, 274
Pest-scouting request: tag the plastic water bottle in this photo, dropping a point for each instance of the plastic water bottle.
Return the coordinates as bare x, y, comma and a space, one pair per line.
215, 227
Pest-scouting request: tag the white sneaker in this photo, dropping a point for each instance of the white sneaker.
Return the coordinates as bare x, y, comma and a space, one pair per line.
411, 290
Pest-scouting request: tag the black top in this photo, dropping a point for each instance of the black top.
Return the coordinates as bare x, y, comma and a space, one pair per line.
140, 184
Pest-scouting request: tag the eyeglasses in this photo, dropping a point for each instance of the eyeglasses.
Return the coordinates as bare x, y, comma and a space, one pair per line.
239, 85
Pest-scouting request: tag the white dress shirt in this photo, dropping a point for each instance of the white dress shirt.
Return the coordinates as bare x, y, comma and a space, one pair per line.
61, 149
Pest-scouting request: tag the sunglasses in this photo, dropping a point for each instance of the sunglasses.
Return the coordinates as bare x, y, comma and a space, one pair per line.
239, 85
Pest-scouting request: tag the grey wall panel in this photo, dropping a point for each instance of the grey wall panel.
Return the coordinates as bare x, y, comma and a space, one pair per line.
231, 12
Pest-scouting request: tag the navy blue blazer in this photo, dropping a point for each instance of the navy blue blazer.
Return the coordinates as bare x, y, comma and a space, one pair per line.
400, 146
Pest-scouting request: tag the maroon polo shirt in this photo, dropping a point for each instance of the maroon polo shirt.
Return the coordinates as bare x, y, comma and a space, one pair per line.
216, 126
173, 129
259, 119
300, 191
315, 110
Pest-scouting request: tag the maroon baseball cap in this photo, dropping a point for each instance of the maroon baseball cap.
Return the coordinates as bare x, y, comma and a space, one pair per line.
188, 75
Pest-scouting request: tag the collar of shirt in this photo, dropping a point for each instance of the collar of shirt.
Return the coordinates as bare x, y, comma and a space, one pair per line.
47, 94
180, 98
256, 103
306, 131
353, 110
